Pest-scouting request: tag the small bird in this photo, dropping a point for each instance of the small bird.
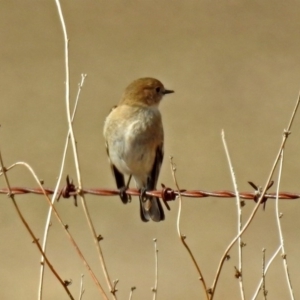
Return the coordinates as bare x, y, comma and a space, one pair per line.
134, 141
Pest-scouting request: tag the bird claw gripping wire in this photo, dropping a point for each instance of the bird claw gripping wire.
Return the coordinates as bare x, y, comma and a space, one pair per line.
68, 191
258, 191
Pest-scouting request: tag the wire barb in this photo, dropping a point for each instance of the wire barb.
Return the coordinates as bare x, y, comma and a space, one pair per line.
258, 191
68, 191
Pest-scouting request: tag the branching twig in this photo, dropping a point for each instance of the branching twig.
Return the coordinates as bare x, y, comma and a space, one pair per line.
278, 217
48, 219
76, 160
154, 289
284, 139
265, 272
65, 226
265, 292
183, 237
36, 240
239, 219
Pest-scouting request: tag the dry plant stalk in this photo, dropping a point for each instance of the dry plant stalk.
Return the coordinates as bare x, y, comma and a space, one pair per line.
154, 289
82, 290
239, 272
248, 222
65, 226
265, 292
281, 240
76, 159
35, 239
265, 272
54, 196
183, 237
131, 292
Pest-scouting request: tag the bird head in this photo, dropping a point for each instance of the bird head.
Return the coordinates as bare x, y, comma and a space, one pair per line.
144, 92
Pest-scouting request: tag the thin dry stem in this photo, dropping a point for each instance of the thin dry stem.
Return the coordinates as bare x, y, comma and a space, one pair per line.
154, 289
35, 239
131, 292
65, 227
285, 136
239, 218
265, 272
182, 237
82, 290
278, 218
264, 275
48, 219
76, 160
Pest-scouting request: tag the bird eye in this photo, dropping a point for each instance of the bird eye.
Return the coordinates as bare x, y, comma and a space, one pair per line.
157, 90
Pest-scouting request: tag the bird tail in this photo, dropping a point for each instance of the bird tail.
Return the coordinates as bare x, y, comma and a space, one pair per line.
151, 208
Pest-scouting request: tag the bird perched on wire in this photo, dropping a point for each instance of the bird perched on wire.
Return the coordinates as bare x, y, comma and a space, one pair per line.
134, 141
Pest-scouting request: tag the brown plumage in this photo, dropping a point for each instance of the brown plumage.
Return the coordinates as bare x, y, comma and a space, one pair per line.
134, 140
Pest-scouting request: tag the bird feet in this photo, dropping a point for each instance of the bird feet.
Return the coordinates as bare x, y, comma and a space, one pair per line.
145, 199
123, 195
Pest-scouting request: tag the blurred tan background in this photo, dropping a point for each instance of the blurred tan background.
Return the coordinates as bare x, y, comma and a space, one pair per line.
233, 64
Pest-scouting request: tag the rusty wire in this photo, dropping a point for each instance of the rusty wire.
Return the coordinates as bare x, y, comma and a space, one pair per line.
166, 193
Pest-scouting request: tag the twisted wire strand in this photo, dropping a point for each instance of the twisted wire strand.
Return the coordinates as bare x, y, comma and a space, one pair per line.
166, 193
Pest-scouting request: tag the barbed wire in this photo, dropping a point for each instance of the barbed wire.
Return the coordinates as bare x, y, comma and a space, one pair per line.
165, 193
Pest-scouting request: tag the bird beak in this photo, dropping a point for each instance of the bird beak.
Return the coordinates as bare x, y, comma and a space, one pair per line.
168, 92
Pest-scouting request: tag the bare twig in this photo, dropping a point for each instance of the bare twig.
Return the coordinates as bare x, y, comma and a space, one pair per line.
48, 219
265, 272
131, 292
284, 139
239, 219
35, 239
76, 160
65, 226
183, 237
281, 240
82, 290
265, 292
154, 289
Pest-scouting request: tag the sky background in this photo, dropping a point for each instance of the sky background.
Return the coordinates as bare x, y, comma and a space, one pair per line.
234, 65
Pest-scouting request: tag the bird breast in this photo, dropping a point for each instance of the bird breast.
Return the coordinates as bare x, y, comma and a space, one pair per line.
136, 132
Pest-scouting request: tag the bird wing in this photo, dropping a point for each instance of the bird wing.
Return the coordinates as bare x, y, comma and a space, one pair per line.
153, 209
153, 177
119, 177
